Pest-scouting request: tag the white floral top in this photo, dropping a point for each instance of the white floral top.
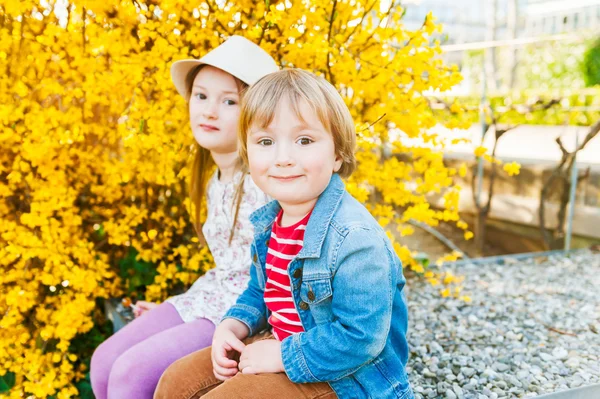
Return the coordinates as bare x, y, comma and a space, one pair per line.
218, 289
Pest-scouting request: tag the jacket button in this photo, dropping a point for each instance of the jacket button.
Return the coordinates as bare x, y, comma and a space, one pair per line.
298, 273
311, 295
303, 305
267, 243
255, 258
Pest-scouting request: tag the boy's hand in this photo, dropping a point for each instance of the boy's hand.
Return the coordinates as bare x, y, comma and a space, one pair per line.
225, 346
262, 357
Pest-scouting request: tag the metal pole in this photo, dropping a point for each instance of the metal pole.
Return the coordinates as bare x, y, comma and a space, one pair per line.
483, 130
572, 192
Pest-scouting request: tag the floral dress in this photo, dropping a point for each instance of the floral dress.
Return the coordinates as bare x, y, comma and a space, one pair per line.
218, 289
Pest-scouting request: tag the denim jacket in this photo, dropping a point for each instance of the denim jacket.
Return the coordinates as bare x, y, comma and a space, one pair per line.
347, 287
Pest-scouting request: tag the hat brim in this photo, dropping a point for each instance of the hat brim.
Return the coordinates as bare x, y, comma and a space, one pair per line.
181, 69
179, 72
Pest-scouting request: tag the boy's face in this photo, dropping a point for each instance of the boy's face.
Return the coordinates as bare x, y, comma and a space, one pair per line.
214, 110
291, 160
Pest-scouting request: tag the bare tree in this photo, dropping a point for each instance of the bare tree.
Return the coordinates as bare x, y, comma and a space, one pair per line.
562, 175
483, 209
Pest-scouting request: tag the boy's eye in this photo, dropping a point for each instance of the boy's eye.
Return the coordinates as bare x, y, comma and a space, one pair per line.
230, 102
304, 141
265, 142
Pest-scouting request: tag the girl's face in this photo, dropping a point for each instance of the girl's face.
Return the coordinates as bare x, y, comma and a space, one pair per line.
214, 110
292, 160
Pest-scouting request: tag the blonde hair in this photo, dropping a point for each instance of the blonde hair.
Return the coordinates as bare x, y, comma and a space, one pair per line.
204, 165
262, 99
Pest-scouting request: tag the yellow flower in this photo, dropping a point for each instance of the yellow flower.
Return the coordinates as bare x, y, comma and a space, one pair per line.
512, 168
152, 234
97, 152
480, 151
455, 108
462, 171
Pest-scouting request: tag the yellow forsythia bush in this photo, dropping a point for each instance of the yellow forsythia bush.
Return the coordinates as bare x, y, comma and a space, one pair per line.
95, 151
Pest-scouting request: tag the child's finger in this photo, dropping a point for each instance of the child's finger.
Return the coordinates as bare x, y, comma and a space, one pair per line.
225, 371
243, 364
225, 362
236, 344
221, 377
222, 360
248, 370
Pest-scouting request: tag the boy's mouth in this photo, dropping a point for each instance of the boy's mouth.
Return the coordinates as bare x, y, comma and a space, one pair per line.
286, 178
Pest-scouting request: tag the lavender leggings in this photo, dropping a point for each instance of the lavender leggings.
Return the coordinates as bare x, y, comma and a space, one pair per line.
130, 363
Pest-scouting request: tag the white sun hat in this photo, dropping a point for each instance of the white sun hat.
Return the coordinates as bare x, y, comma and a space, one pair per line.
237, 56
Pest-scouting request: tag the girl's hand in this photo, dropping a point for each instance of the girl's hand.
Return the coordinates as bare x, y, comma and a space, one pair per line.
142, 307
262, 357
226, 346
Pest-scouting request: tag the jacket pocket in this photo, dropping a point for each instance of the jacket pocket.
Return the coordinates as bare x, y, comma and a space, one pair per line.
315, 291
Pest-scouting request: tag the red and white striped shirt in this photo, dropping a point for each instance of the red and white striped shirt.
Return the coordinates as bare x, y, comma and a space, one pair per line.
284, 245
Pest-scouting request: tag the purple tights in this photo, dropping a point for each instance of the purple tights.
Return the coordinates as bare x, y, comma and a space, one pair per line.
130, 363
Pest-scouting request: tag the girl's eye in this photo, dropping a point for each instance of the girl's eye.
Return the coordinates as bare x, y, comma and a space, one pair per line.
304, 141
230, 102
200, 96
265, 142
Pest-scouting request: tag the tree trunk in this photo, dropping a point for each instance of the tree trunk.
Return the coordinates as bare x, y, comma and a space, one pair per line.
512, 19
490, 54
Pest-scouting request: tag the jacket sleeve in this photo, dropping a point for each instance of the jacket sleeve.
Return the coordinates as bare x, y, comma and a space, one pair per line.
250, 307
363, 292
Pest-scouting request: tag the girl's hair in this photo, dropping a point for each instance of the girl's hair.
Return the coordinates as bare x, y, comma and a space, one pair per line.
203, 167
262, 99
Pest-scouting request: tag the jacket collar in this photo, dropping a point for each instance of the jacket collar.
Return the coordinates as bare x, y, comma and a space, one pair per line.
319, 221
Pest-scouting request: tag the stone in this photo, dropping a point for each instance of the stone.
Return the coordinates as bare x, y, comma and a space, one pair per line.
467, 371
450, 394
560, 353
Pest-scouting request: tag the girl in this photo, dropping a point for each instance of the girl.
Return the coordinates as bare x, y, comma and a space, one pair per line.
129, 364
325, 282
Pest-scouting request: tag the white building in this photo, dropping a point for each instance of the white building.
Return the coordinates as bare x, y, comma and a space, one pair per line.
463, 21
469, 20
546, 17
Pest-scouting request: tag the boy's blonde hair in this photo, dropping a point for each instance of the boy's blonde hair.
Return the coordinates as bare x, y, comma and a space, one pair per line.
261, 100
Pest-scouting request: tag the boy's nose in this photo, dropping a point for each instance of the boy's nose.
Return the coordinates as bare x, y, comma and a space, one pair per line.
284, 157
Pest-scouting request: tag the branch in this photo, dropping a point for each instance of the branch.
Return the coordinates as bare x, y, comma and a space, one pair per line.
446, 241
594, 130
378, 119
83, 14
210, 8
331, 41
387, 14
361, 21
562, 147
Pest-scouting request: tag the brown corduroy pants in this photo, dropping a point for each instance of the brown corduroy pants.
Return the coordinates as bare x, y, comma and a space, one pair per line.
192, 377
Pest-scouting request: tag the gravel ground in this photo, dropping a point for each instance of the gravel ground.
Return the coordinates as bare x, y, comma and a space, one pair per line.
533, 327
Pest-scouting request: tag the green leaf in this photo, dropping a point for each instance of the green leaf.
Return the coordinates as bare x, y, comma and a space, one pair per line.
7, 381
85, 388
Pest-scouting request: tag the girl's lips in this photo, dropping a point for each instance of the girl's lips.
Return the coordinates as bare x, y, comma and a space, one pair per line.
209, 128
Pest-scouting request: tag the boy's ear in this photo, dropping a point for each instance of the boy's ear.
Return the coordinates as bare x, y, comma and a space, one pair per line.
338, 163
